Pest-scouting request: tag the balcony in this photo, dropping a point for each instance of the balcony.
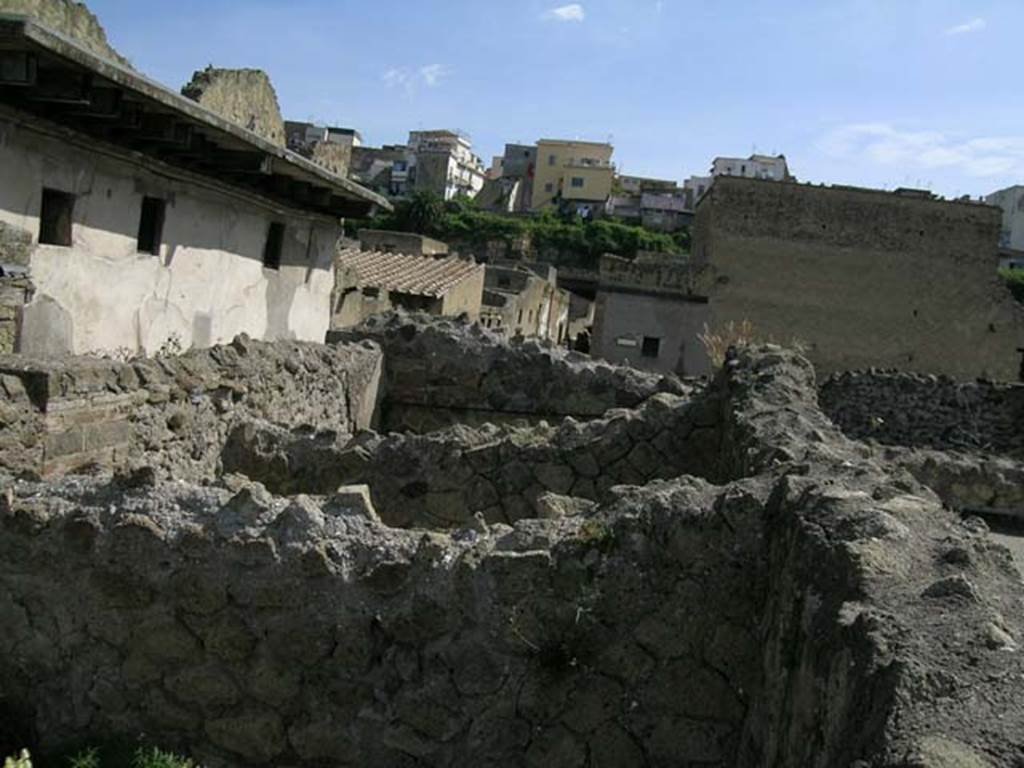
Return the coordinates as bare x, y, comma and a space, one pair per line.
586, 162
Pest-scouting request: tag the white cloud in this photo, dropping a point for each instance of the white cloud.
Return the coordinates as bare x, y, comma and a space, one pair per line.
974, 25
886, 145
432, 74
409, 79
571, 12
396, 76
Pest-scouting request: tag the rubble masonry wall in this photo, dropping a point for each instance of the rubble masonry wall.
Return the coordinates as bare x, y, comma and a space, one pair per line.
816, 608
174, 413
927, 411
260, 631
444, 372
444, 479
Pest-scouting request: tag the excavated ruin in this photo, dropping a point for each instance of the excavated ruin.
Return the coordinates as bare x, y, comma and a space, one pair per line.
218, 551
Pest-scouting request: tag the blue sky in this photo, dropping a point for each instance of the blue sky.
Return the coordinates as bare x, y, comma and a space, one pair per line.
874, 92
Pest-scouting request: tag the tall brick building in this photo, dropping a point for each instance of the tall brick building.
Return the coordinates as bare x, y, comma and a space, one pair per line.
863, 277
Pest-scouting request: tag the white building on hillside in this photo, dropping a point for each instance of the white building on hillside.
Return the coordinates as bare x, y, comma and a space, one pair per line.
1011, 200
753, 167
445, 163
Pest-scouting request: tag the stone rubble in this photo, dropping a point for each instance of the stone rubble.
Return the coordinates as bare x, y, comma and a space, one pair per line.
779, 595
927, 411
443, 372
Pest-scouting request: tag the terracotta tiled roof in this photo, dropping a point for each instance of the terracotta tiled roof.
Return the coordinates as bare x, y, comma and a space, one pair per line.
418, 275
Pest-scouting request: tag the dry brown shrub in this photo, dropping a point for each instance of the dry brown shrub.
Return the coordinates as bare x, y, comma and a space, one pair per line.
739, 335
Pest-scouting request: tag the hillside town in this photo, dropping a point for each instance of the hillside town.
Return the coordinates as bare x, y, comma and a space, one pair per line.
315, 452
683, 258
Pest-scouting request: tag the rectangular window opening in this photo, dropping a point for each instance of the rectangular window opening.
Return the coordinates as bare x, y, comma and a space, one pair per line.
55, 218
274, 246
577, 181
151, 225
650, 347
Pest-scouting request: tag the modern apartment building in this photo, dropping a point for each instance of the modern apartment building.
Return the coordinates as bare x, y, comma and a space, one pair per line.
773, 168
445, 163
694, 189
575, 174
300, 135
1011, 202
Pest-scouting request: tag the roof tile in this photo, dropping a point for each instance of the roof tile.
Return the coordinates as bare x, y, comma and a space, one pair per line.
418, 275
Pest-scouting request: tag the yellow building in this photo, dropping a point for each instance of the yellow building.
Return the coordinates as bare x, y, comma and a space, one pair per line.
577, 172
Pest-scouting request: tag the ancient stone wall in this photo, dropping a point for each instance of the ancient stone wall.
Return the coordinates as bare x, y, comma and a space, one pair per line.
822, 611
967, 482
927, 411
448, 372
16, 291
851, 217
546, 645
243, 96
173, 414
336, 158
15, 245
445, 479
70, 18
863, 278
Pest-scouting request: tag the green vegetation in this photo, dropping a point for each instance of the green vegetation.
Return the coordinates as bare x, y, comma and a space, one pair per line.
21, 760
1014, 281
574, 241
140, 757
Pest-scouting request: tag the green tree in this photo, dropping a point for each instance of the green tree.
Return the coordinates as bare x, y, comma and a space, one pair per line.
1014, 281
422, 213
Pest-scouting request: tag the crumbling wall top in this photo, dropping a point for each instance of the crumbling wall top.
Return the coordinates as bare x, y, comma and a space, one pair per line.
244, 96
69, 18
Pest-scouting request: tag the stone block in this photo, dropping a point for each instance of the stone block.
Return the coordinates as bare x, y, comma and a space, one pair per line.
66, 443
257, 736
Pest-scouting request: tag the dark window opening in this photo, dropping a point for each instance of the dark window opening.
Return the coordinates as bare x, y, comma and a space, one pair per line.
650, 347
371, 293
55, 217
274, 246
151, 225
520, 316
504, 282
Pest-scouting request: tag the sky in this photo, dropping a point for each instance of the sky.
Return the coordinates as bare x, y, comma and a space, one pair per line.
878, 93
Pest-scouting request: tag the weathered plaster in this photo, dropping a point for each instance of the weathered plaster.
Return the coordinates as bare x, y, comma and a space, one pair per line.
208, 283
